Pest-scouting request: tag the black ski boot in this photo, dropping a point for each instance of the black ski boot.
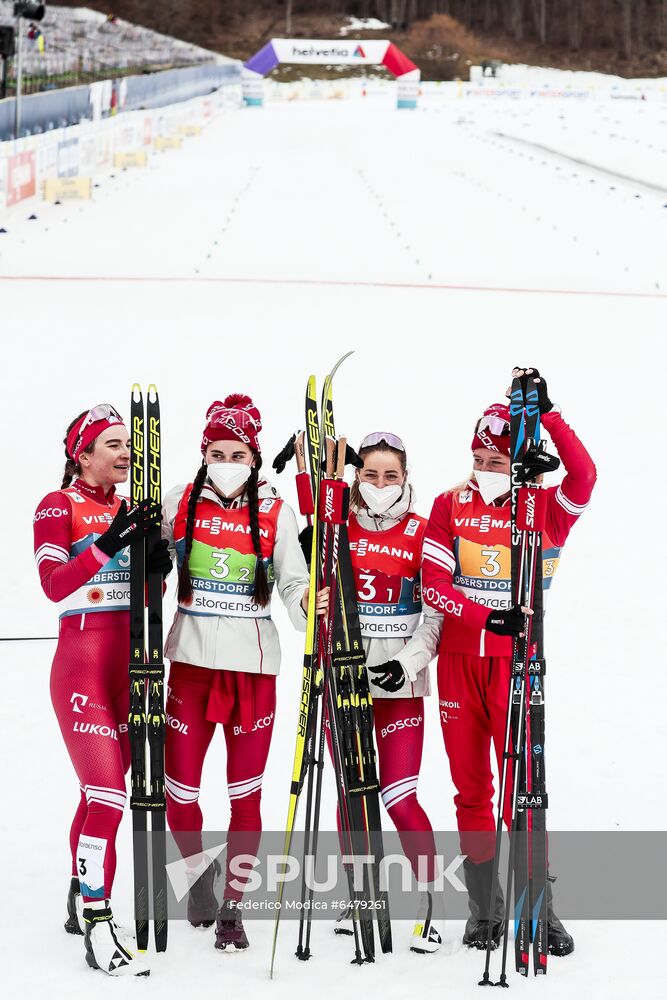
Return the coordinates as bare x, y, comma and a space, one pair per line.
478, 884
229, 932
560, 942
72, 924
202, 904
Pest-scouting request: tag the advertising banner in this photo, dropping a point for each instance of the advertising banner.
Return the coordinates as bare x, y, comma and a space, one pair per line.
21, 178
68, 158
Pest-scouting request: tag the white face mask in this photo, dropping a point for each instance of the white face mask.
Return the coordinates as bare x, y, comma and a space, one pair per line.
379, 499
227, 477
492, 485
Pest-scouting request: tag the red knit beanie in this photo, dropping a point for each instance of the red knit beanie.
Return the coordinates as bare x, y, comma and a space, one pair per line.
236, 418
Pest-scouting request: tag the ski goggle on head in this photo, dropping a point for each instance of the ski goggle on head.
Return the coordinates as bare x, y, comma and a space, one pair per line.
377, 437
103, 411
494, 424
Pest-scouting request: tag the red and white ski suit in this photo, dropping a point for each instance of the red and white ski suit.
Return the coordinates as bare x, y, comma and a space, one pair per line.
89, 686
386, 555
465, 573
225, 657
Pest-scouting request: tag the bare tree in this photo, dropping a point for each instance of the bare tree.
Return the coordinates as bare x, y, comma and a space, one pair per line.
491, 14
626, 28
574, 24
641, 25
540, 19
516, 19
661, 25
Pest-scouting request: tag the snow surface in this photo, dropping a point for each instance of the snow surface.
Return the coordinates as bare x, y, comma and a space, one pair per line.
443, 255
363, 24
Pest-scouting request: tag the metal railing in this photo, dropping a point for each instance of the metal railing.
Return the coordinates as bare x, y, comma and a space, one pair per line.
81, 46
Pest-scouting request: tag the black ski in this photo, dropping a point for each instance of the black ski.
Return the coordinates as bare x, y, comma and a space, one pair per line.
335, 684
156, 722
524, 731
537, 799
137, 717
146, 674
368, 822
350, 632
521, 820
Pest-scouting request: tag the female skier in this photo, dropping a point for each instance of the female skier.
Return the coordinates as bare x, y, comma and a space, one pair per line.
466, 575
234, 538
386, 544
81, 536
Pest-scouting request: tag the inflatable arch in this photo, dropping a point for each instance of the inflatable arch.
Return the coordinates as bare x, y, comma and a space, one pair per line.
373, 52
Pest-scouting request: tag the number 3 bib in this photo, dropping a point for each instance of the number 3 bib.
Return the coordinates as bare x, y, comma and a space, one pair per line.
387, 573
222, 559
482, 551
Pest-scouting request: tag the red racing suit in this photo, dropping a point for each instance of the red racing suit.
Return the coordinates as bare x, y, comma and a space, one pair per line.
465, 573
89, 686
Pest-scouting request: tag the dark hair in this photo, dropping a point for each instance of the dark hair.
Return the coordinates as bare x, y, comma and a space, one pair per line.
261, 591
73, 468
356, 499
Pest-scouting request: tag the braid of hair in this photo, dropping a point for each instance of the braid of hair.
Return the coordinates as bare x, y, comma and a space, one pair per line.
71, 470
261, 593
184, 581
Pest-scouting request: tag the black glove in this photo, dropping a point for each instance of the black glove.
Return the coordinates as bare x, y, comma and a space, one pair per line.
159, 558
509, 621
391, 676
285, 456
543, 400
306, 542
126, 524
537, 461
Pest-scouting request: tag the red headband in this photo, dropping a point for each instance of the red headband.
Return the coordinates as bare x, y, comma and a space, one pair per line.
236, 418
89, 427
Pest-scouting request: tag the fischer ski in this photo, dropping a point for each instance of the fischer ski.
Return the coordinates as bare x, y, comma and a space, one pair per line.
335, 686
349, 639
146, 724
311, 682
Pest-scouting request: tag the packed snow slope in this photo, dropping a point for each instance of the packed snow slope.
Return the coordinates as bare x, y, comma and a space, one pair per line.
442, 253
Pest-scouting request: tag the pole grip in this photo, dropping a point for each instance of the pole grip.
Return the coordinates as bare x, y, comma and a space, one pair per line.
299, 452
531, 511
340, 457
330, 463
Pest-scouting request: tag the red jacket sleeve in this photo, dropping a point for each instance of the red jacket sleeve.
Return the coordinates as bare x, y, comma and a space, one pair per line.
438, 564
565, 503
59, 575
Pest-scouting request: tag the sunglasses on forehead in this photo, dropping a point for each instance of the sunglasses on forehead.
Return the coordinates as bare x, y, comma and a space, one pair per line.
378, 436
103, 411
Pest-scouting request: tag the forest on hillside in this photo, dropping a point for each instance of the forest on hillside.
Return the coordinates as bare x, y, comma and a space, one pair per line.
443, 36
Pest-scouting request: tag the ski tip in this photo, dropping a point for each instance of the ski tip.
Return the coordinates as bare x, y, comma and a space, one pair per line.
339, 363
136, 391
151, 392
